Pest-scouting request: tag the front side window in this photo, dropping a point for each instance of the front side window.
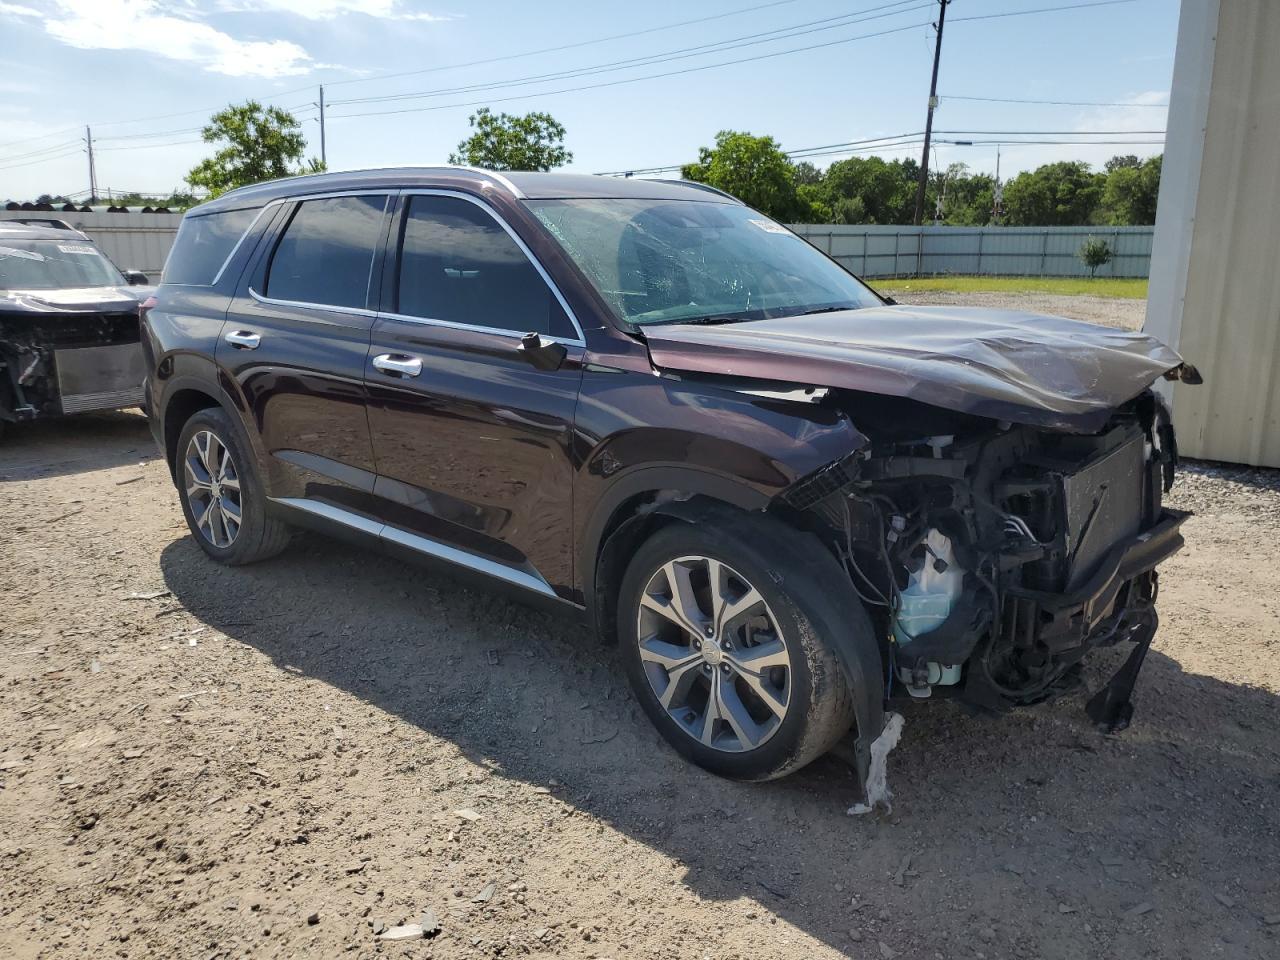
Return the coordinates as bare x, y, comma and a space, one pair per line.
54, 265
459, 265
672, 261
326, 254
203, 245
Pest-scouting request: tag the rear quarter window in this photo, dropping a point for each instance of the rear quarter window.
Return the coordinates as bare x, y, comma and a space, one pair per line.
203, 245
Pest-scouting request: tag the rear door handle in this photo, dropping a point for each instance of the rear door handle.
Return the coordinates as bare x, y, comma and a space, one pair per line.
243, 339
398, 363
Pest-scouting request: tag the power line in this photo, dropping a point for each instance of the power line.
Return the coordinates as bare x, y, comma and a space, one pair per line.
711, 66
1007, 137
1025, 13
566, 46
512, 56
1055, 103
683, 53
651, 76
61, 156
34, 153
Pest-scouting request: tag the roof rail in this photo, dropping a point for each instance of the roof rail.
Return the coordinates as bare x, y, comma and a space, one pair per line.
701, 186
52, 222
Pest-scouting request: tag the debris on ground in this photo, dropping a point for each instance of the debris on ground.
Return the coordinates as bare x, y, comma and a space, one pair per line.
878, 794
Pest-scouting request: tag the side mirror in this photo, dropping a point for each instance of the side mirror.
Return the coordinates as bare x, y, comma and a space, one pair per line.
136, 278
543, 355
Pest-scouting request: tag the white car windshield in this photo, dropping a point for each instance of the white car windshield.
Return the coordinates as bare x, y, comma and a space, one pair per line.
674, 261
54, 265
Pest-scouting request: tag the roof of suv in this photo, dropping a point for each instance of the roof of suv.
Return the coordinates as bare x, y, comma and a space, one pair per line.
525, 186
17, 230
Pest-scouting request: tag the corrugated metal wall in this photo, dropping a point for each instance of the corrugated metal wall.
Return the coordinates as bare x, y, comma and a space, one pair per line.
141, 241
1220, 303
875, 251
133, 241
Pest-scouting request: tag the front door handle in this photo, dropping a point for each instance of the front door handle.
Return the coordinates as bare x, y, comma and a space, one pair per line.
398, 363
243, 339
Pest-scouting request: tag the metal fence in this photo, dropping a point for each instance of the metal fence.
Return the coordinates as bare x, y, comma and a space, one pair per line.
875, 251
133, 241
141, 241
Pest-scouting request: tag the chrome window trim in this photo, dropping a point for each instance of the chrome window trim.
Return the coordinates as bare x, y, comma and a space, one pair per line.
421, 544
236, 249
455, 325
306, 304
579, 341
300, 200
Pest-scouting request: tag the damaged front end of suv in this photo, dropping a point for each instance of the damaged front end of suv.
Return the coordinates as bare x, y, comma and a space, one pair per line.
69, 334
1002, 514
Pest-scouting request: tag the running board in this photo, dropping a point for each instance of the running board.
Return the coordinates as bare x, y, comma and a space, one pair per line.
420, 544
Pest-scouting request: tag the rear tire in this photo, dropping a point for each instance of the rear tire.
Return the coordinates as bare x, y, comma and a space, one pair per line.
739, 635
222, 494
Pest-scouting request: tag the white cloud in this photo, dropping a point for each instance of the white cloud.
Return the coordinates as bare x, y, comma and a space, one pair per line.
169, 31
330, 9
17, 10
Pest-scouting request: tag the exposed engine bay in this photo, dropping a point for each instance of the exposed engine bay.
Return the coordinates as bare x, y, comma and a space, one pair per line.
66, 363
994, 556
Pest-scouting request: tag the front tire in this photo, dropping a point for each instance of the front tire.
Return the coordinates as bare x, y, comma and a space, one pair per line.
726, 657
222, 496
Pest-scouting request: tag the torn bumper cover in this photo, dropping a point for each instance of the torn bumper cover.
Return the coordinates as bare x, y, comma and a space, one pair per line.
62, 354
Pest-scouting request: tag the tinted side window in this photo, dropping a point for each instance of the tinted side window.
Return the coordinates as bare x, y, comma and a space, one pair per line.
203, 245
459, 265
326, 253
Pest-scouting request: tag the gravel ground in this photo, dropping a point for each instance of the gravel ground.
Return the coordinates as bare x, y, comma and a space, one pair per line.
284, 760
1112, 311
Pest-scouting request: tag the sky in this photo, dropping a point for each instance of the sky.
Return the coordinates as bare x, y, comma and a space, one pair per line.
146, 74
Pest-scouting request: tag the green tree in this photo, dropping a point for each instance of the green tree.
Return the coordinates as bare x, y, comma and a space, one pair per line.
1122, 161
807, 174
1131, 192
258, 143
872, 189
968, 198
504, 141
1063, 194
753, 169
1094, 252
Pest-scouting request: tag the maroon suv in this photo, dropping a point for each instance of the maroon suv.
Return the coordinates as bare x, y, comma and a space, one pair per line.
790, 500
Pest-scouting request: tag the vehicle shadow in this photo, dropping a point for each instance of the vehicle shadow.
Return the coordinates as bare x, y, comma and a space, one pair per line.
1031, 832
63, 446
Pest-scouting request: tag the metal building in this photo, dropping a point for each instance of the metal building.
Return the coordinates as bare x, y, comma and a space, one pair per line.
1215, 271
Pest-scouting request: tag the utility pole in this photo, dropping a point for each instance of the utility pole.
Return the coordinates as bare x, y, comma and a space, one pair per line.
93, 174
998, 210
323, 158
933, 103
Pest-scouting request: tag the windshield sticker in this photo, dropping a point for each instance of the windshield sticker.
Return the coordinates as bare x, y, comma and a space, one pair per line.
21, 254
768, 226
81, 248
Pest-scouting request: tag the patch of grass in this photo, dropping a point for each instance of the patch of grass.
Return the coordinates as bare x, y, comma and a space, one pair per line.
1127, 289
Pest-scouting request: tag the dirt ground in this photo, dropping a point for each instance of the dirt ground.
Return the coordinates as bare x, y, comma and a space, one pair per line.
282, 760
1111, 311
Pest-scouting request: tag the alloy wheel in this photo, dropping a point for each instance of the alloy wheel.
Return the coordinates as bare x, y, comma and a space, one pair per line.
713, 654
213, 488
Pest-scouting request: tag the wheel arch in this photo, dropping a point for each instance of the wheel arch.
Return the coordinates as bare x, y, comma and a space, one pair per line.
180, 405
636, 515
634, 507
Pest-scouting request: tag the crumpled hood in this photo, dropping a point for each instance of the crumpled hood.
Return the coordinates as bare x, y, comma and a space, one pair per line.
74, 300
1038, 370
